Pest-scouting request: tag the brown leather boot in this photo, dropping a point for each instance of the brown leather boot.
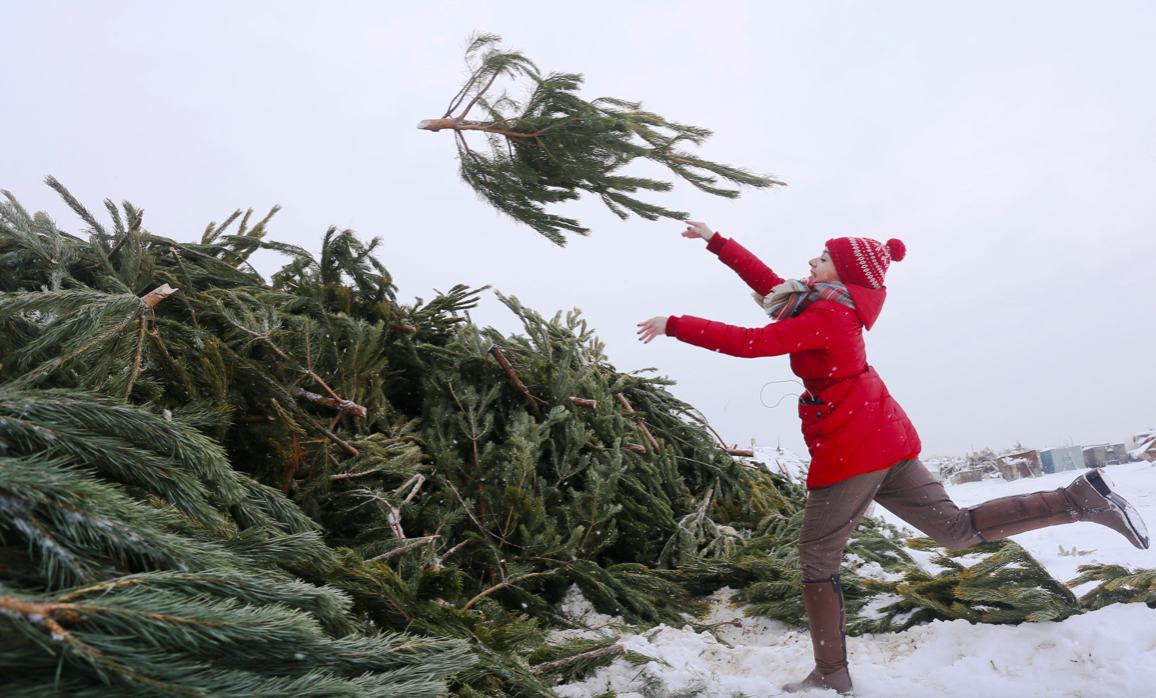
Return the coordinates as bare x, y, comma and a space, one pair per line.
826, 616
1090, 497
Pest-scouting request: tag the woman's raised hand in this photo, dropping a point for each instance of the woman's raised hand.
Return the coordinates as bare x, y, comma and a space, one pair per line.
694, 229
654, 327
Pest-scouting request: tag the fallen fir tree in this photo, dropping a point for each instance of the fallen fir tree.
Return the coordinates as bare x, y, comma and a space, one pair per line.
137, 561
436, 477
217, 484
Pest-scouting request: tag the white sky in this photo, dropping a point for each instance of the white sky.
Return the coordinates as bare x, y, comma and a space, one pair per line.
1009, 145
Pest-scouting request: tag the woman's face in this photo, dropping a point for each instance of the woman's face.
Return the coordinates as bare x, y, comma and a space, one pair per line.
823, 269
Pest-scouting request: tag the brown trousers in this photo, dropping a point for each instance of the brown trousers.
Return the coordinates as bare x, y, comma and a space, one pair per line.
905, 489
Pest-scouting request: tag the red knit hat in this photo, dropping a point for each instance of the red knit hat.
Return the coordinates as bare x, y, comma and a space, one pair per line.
864, 261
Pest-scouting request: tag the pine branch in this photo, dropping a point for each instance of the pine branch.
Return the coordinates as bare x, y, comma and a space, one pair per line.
554, 145
420, 543
330, 435
499, 587
638, 420
497, 353
135, 366
124, 238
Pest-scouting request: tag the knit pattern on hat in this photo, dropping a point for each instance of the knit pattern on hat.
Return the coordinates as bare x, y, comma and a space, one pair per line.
864, 261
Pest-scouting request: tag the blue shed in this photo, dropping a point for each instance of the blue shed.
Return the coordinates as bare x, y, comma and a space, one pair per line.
1057, 460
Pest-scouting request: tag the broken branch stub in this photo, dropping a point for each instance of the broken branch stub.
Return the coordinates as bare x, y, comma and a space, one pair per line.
436, 125
157, 295
342, 406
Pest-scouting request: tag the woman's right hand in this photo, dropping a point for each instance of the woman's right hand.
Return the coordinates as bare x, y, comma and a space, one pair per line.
694, 229
654, 327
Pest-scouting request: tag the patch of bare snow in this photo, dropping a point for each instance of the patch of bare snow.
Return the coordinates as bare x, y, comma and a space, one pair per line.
781, 461
593, 624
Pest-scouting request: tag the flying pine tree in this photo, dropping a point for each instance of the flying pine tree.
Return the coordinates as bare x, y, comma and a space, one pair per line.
553, 145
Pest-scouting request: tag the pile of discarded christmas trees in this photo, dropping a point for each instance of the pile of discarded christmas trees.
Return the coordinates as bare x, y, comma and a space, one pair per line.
213, 483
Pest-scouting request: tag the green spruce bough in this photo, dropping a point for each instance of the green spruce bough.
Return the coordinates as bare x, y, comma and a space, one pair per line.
553, 145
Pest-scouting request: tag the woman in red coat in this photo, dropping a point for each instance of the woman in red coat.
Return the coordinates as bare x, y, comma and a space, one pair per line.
863, 447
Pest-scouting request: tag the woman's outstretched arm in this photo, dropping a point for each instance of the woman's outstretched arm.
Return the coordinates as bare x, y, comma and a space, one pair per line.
749, 268
814, 329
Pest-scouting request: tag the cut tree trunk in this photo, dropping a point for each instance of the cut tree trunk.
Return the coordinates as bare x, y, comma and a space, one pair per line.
436, 125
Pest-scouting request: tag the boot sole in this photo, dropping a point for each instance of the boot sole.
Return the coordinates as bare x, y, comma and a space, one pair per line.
1100, 482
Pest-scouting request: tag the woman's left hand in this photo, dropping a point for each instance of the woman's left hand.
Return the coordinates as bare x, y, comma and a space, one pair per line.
695, 229
654, 327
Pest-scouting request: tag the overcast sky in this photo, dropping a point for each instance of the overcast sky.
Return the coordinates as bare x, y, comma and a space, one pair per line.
1009, 145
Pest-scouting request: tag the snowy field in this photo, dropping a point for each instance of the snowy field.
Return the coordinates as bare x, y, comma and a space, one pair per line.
1110, 652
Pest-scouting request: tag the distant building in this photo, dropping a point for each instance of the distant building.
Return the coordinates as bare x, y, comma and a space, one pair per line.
1145, 451
964, 476
1140, 438
944, 468
1096, 456
1057, 460
1120, 454
1013, 466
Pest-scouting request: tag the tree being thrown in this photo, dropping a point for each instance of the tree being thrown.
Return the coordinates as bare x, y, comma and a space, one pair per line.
553, 145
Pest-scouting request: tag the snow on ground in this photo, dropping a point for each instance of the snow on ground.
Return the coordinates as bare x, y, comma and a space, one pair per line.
780, 460
1110, 652
1094, 544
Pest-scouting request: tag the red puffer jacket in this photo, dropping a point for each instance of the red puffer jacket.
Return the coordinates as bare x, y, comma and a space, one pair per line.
851, 423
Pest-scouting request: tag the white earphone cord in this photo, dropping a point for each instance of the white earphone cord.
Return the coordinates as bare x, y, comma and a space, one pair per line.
784, 397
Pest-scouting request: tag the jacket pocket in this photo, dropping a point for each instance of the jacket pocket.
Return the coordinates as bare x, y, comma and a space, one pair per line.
812, 411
